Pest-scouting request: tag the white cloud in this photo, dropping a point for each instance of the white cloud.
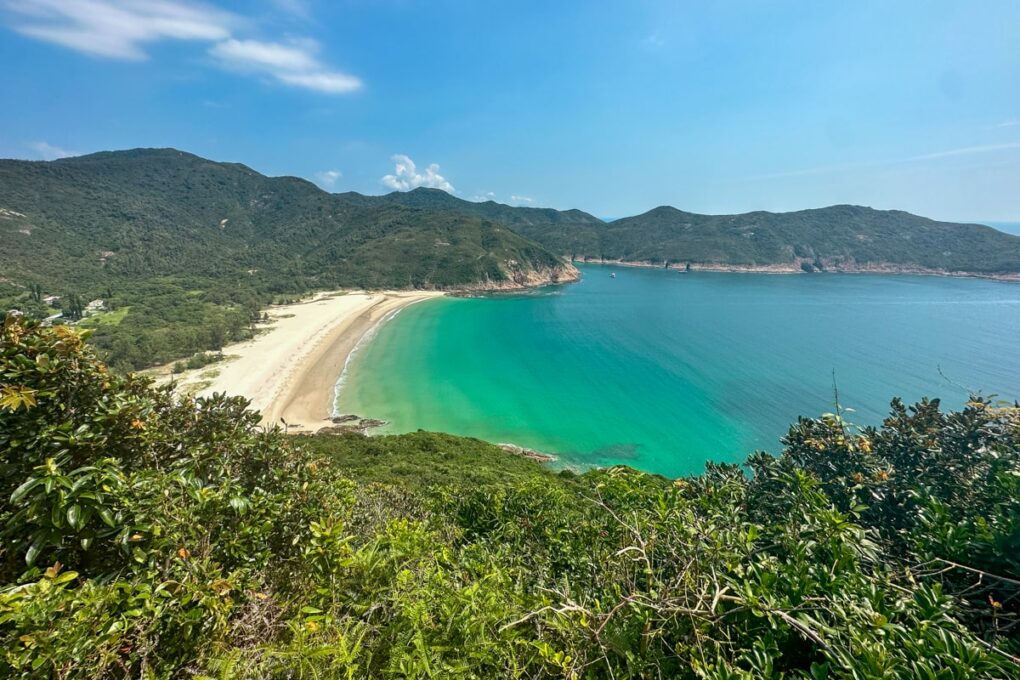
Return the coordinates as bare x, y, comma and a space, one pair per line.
121, 29
521, 199
294, 63
406, 176
50, 152
264, 55
323, 81
328, 178
118, 29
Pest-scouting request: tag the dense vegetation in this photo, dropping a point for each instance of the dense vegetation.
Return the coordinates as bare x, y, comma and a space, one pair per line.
837, 237
149, 537
193, 249
187, 251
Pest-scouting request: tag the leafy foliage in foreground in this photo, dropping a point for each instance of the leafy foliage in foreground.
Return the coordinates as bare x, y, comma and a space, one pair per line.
149, 537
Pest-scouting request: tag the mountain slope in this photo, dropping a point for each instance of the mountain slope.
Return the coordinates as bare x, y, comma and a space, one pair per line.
188, 251
154, 212
837, 238
840, 238
553, 228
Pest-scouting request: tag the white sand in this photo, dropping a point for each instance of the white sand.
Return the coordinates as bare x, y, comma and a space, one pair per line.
290, 371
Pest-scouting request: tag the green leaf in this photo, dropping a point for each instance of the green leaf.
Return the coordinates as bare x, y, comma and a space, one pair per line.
33, 552
65, 577
74, 516
27, 486
107, 517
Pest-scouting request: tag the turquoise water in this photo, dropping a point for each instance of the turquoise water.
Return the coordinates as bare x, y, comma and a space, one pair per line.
663, 370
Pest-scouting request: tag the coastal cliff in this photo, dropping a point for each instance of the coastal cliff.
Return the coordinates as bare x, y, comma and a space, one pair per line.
520, 278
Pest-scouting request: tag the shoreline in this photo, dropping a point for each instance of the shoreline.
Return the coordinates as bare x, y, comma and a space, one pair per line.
290, 371
790, 268
306, 401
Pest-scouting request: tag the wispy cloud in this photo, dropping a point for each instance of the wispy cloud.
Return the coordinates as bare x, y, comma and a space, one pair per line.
1007, 123
327, 179
122, 29
521, 199
965, 151
948, 153
294, 63
406, 176
118, 29
50, 152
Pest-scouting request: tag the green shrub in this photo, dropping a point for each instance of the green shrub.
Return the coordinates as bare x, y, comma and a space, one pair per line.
145, 536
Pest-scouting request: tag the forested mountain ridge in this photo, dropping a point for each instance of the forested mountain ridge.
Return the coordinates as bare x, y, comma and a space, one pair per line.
190, 249
836, 238
839, 237
157, 212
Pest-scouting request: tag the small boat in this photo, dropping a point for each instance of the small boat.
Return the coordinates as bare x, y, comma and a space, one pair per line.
612, 275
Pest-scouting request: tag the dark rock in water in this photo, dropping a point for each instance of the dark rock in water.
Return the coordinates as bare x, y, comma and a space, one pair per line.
345, 419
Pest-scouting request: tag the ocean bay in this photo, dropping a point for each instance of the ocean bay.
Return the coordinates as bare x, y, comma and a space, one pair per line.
664, 370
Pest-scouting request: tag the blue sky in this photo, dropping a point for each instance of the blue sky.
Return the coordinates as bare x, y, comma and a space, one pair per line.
612, 107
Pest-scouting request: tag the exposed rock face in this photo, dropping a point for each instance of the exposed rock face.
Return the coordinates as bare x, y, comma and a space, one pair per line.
350, 423
527, 453
519, 279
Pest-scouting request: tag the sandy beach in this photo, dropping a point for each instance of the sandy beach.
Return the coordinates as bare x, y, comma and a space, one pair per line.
289, 372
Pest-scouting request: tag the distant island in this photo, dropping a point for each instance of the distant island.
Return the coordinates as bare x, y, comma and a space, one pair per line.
171, 254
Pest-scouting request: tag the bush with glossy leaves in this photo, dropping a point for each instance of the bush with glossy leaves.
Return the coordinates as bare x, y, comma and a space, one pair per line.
146, 536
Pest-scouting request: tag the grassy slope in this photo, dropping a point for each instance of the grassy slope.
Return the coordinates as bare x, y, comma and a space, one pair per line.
420, 460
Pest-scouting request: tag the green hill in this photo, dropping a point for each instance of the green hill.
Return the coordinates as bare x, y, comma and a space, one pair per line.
195, 248
838, 238
187, 251
162, 212
562, 231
